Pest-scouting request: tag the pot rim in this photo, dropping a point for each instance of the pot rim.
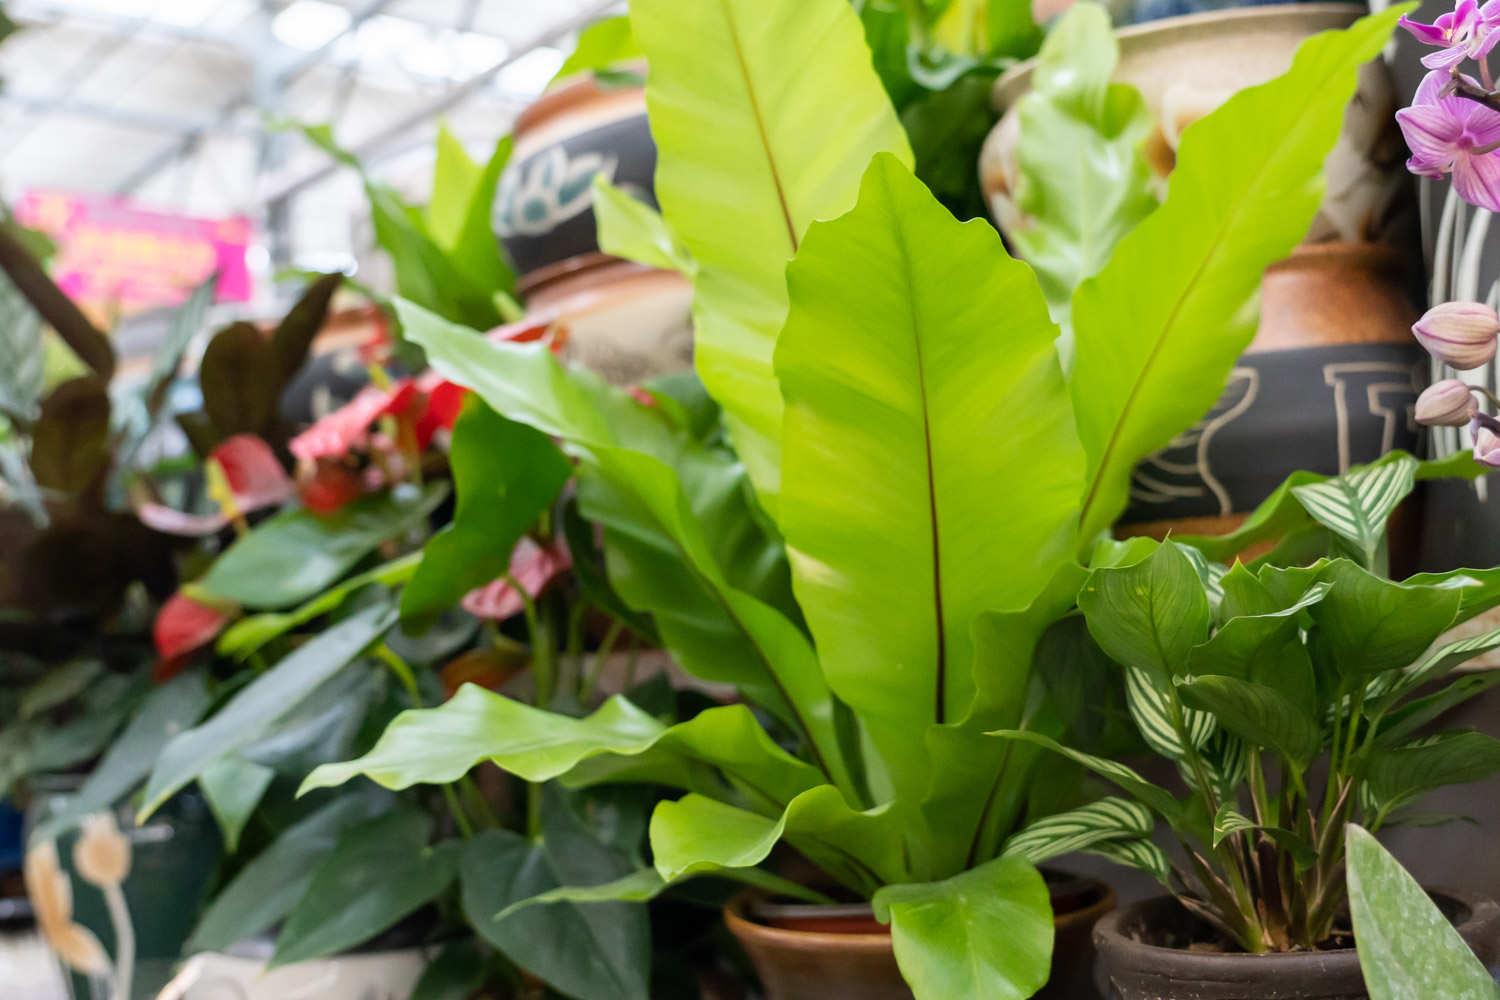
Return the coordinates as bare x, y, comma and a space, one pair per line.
1002, 98
1109, 938
741, 925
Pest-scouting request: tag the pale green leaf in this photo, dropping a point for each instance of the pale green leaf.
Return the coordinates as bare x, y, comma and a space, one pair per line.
630, 228
765, 113
1158, 329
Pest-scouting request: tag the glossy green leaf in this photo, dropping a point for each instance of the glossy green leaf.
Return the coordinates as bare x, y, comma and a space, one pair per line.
262, 702
1396, 775
267, 888
439, 745
1356, 506
700, 835
1366, 624
1265, 646
1148, 615
984, 933
505, 474
645, 885
290, 557
947, 129
594, 951
1261, 715
777, 102
1435, 665
603, 45
903, 521
1124, 778
1158, 329
1083, 181
378, 873
632, 229
457, 973
1407, 947
233, 787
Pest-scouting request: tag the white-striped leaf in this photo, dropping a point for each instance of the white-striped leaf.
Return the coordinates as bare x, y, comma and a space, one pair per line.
1152, 712
1124, 778
1211, 573
1078, 829
1229, 821
1433, 666
1139, 853
1355, 506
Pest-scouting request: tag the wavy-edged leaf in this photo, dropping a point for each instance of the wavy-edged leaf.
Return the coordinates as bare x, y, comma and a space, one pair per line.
1158, 329
776, 101
1355, 506
646, 884
1256, 713
290, 557
898, 534
1367, 624
632, 229
505, 475
440, 745
1407, 946
986, 932
271, 696
1084, 183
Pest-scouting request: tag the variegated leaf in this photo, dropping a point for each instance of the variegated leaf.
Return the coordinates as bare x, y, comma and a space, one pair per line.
1152, 711
1355, 506
1078, 829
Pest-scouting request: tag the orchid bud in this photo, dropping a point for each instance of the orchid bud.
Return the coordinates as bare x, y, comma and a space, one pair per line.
1487, 447
1460, 334
1448, 403
102, 854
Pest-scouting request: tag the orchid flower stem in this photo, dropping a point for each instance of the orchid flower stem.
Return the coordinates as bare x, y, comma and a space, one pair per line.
1494, 400
1485, 95
119, 919
1484, 74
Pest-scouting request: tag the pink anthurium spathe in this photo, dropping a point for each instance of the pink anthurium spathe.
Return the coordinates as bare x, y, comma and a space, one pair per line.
533, 567
255, 479
186, 623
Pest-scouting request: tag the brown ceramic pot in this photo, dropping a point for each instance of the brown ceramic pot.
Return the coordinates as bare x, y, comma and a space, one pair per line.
825, 952
1135, 969
1328, 382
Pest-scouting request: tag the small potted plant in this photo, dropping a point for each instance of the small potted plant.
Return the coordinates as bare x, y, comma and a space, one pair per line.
1293, 701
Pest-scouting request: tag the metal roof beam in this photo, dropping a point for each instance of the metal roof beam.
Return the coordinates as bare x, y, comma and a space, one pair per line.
38, 104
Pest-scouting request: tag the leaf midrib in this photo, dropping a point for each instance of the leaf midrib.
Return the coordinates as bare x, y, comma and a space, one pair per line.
760, 125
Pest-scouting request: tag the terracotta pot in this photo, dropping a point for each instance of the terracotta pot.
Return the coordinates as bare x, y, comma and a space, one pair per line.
544, 209
1185, 67
806, 952
625, 321
1136, 970
1328, 382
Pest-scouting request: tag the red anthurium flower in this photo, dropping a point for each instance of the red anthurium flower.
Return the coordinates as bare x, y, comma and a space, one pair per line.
329, 487
444, 401
256, 480
532, 566
341, 431
184, 624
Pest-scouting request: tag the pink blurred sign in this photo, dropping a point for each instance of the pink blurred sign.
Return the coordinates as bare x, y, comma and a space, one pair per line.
115, 256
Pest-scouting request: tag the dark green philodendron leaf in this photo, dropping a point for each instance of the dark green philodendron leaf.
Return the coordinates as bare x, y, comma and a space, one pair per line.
457, 973
777, 101
505, 474
378, 873
685, 541
1407, 946
1084, 183
1148, 615
1479, 589
267, 888
271, 696
1261, 715
1368, 625
241, 378
296, 554
632, 229
1355, 506
1435, 665
1396, 775
984, 933
899, 533
1159, 328
166, 711
947, 128
593, 951
70, 440
439, 745
233, 787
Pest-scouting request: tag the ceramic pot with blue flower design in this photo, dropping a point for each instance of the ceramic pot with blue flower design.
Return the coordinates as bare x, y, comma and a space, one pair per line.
544, 210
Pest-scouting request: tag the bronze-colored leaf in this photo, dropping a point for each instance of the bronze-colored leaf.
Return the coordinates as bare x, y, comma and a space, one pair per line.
294, 334
70, 443
239, 378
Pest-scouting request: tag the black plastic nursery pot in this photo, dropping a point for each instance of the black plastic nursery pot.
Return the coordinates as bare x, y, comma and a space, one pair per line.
805, 952
1143, 956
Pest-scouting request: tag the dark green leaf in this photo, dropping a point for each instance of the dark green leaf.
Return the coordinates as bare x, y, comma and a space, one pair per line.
1396, 775
293, 336
1261, 715
241, 380
1367, 625
233, 787
70, 442
457, 973
1149, 615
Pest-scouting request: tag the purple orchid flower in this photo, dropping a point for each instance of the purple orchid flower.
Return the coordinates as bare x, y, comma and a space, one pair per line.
1451, 134
1466, 32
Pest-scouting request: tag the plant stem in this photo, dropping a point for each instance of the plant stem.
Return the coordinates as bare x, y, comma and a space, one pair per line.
597, 662
119, 919
408, 680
